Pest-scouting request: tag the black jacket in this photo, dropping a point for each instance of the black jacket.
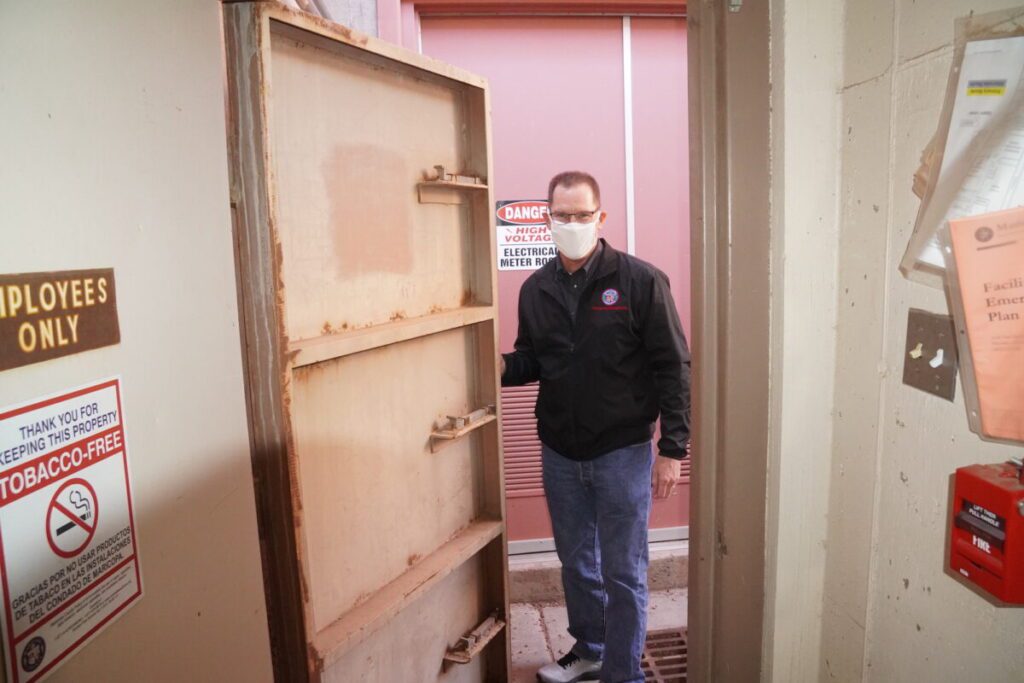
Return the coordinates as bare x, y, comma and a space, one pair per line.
605, 379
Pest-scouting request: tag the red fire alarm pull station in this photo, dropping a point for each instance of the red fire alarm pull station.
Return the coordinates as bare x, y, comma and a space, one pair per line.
988, 528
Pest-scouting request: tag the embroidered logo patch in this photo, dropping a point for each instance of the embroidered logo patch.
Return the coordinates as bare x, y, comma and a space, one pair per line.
610, 297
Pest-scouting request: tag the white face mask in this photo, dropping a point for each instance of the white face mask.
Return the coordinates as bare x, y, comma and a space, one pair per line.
575, 240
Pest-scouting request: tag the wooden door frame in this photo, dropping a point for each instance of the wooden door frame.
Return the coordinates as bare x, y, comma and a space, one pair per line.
261, 327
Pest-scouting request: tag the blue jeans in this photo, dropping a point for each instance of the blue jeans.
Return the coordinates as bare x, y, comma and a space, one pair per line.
599, 512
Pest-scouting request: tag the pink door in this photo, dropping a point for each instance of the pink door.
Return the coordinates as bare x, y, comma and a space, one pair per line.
601, 94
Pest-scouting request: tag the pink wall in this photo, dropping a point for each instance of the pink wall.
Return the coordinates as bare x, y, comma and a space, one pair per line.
537, 110
661, 175
389, 20
661, 151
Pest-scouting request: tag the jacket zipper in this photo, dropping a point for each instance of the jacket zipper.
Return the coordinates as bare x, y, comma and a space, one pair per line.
572, 361
572, 352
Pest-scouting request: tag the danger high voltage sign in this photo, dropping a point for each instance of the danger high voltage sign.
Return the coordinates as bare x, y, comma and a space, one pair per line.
524, 240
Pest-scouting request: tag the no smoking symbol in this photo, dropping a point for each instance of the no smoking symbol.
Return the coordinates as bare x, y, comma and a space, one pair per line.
71, 518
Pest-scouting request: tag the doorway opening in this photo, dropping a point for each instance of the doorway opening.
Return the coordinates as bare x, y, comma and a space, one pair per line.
607, 93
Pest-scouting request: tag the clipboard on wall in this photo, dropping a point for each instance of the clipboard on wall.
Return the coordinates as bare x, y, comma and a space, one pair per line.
978, 159
985, 289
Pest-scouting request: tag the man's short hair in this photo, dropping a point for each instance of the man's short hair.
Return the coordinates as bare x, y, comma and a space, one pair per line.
571, 179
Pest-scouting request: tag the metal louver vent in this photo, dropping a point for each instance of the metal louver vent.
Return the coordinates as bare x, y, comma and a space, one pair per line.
519, 438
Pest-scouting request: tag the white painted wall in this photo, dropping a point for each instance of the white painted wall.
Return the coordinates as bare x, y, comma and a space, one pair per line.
113, 154
861, 521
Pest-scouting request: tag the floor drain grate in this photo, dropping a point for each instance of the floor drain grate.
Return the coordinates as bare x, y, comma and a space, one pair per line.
664, 658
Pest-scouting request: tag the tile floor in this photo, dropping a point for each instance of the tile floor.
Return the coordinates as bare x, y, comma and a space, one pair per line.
539, 630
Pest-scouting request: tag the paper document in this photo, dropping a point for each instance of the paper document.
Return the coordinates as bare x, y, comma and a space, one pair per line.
986, 285
983, 162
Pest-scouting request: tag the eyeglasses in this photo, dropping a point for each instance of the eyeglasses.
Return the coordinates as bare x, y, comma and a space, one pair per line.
581, 216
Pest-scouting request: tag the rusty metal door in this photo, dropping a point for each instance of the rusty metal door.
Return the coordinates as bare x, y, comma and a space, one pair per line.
366, 277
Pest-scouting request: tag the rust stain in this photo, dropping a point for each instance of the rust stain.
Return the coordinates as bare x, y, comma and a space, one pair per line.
414, 558
327, 329
371, 228
397, 315
346, 34
467, 297
326, 26
317, 662
304, 375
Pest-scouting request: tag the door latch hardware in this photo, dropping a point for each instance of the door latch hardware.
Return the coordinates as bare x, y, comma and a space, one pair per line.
458, 426
471, 644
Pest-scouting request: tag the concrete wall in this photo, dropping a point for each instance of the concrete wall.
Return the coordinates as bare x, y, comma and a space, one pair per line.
890, 612
114, 155
862, 279
805, 142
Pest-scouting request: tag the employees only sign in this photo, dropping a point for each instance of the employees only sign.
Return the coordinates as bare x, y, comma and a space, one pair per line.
67, 536
49, 315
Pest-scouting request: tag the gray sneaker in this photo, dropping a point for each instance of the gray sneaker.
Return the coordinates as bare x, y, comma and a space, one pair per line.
569, 669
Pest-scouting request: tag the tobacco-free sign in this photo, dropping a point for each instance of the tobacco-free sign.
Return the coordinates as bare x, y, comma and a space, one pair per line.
67, 536
71, 517
48, 315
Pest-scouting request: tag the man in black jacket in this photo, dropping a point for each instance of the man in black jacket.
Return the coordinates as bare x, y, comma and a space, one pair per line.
599, 330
